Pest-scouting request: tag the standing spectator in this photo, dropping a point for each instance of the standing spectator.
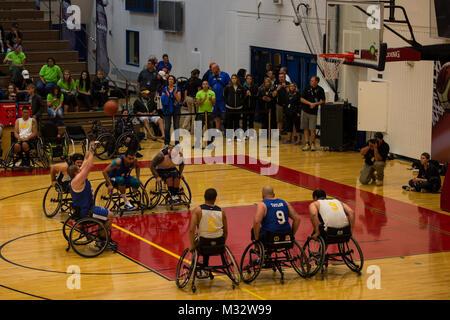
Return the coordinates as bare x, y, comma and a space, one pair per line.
241, 75
251, 97
281, 95
375, 156
428, 179
22, 87
55, 101
37, 104
208, 72
285, 71
292, 113
83, 85
68, 88
170, 100
193, 86
143, 106
49, 75
312, 97
272, 77
233, 94
2, 40
205, 99
16, 60
13, 38
165, 63
266, 103
268, 68
149, 79
100, 89
218, 80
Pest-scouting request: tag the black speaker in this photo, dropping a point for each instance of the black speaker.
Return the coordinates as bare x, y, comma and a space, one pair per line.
338, 126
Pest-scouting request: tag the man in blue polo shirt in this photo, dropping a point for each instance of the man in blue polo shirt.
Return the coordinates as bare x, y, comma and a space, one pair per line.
218, 80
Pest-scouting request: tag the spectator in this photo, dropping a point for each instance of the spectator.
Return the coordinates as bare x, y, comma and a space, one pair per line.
233, 94
271, 75
165, 63
11, 90
22, 87
100, 89
268, 68
218, 80
281, 95
37, 104
143, 106
83, 85
16, 60
205, 99
125, 124
2, 40
251, 97
163, 80
208, 73
149, 79
170, 100
55, 101
49, 75
69, 89
266, 103
241, 75
194, 85
292, 114
154, 60
375, 156
285, 71
428, 179
13, 38
312, 97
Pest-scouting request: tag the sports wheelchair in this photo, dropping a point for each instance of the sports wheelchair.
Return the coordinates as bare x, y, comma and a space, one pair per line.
38, 156
57, 199
189, 265
76, 135
54, 145
348, 250
114, 201
159, 193
275, 251
87, 236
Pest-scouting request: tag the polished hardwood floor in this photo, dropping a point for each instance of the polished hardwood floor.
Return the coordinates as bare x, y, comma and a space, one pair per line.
34, 263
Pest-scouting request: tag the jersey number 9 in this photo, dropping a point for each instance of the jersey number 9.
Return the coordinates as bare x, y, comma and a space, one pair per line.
280, 217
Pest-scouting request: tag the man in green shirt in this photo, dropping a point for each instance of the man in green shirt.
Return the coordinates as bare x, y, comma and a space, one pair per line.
16, 60
205, 99
50, 74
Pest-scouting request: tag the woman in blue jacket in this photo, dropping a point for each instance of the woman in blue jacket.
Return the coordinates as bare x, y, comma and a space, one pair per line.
170, 101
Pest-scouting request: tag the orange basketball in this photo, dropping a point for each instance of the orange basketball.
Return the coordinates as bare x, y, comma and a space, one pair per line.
111, 107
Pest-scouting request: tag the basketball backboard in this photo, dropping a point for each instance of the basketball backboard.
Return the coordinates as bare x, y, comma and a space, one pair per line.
357, 27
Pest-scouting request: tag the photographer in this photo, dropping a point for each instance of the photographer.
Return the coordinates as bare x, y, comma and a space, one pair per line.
375, 155
428, 179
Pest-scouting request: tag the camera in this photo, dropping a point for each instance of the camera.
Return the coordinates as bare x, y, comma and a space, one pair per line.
373, 141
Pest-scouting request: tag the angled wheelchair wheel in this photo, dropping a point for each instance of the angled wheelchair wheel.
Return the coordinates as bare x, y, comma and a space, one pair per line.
88, 237
298, 260
154, 192
252, 261
315, 255
102, 198
52, 201
185, 267
42, 155
232, 269
352, 255
67, 226
9, 161
124, 141
185, 192
138, 198
106, 148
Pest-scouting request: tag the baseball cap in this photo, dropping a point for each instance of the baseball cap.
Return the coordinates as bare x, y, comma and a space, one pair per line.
379, 135
25, 74
145, 91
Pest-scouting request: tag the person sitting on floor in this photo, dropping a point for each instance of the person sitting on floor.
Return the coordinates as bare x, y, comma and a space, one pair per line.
428, 179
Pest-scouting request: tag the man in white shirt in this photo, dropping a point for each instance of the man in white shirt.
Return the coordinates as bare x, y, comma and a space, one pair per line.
25, 131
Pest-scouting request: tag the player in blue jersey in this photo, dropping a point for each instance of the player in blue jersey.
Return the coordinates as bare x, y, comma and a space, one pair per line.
272, 214
81, 190
118, 175
218, 80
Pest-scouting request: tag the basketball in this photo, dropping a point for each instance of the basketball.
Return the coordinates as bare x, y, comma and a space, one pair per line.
111, 107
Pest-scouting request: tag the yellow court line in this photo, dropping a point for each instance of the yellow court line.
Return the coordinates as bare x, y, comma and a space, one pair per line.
175, 255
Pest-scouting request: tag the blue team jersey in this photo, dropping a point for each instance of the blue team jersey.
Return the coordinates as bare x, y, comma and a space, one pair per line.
218, 84
84, 199
122, 170
277, 216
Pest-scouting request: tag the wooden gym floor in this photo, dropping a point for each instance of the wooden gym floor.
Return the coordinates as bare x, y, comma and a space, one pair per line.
404, 234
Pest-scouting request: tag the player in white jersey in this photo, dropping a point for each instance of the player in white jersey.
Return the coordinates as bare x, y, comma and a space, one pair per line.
25, 131
325, 213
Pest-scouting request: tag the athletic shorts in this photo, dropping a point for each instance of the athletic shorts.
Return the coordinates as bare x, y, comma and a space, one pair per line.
168, 173
153, 119
219, 109
125, 181
309, 121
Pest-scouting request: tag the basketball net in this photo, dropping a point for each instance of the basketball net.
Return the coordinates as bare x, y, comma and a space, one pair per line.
331, 64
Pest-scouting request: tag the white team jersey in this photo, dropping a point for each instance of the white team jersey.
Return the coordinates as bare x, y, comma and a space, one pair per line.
211, 225
333, 214
25, 128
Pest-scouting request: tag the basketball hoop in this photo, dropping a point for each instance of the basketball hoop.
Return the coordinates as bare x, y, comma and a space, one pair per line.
331, 63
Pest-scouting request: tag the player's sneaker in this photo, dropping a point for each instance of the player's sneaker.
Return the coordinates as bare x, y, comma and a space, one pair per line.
130, 207
306, 147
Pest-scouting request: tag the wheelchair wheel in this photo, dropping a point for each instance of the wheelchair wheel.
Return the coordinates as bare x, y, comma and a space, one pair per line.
88, 237
185, 268
106, 148
9, 158
185, 191
138, 198
298, 260
102, 198
232, 269
154, 192
122, 144
42, 155
315, 255
67, 226
352, 255
252, 261
52, 201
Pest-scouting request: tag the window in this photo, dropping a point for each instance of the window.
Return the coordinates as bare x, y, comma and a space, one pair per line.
132, 48
140, 5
